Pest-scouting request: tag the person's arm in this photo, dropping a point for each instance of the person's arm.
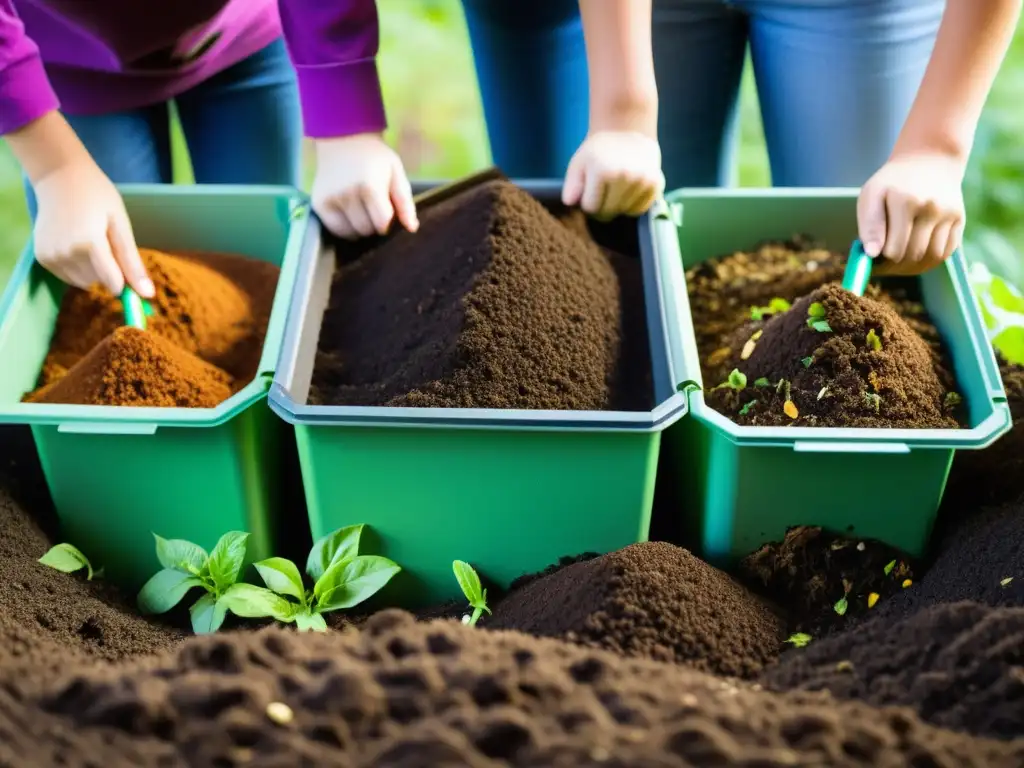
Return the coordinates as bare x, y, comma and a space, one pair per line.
623, 93
972, 41
333, 45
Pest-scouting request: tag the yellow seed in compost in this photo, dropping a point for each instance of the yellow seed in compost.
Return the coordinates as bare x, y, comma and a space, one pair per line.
719, 356
907, 583
280, 712
757, 335
789, 408
844, 666
748, 349
1006, 581
872, 599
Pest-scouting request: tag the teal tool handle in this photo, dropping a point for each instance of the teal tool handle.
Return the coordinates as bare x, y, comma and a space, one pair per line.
858, 269
134, 309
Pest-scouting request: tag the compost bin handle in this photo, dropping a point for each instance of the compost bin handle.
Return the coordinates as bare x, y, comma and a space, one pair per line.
106, 428
820, 446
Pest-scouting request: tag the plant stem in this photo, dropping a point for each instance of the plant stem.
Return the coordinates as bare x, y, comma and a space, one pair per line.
477, 613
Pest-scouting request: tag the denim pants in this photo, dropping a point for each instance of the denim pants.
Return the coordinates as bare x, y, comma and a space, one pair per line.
835, 80
242, 126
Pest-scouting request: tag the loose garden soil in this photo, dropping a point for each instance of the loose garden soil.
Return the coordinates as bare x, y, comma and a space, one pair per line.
493, 303
202, 342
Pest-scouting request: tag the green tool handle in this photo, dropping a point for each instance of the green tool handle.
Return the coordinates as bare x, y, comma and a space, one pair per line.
134, 309
858, 269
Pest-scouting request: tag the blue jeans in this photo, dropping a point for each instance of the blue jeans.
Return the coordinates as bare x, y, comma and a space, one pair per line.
242, 126
835, 80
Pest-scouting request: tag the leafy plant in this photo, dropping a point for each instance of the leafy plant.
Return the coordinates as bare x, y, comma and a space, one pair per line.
762, 382
1002, 308
747, 407
816, 318
469, 581
68, 559
841, 606
775, 306
737, 381
187, 566
799, 639
342, 579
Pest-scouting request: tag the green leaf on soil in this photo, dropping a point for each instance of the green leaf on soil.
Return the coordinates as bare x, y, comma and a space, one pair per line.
207, 614
873, 400
336, 546
816, 310
762, 382
350, 582
821, 326
1006, 582
779, 305
310, 622
799, 639
282, 576
807, 361
180, 554
469, 583
841, 606
889, 566
775, 306
952, 400
252, 602
873, 341
67, 559
747, 407
227, 558
165, 590
737, 379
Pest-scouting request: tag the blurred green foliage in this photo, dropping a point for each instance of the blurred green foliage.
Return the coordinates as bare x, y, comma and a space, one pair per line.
437, 126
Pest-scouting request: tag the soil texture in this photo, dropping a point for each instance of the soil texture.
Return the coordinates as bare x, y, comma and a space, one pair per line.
827, 581
652, 600
211, 312
493, 303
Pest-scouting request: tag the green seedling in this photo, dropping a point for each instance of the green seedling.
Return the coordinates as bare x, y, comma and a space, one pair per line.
952, 400
342, 579
807, 361
816, 318
784, 388
469, 581
187, 566
68, 559
775, 307
841, 606
799, 639
762, 383
747, 408
889, 566
737, 381
873, 400
873, 341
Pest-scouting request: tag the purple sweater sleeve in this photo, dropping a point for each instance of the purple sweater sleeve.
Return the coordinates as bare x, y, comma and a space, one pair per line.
25, 92
333, 45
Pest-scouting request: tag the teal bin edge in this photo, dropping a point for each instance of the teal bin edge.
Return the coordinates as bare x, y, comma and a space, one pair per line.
730, 509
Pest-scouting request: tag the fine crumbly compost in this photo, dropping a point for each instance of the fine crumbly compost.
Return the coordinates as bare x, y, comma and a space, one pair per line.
209, 310
137, 368
401, 693
493, 303
653, 600
863, 367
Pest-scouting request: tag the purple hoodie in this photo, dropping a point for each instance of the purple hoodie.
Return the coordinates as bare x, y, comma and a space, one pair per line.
96, 56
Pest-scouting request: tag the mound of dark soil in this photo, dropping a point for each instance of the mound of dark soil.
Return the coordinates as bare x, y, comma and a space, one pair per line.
960, 666
862, 367
652, 600
401, 693
492, 304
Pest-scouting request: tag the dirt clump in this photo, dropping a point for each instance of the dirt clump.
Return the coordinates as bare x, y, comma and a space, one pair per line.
652, 600
132, 367
493, 303
860, 366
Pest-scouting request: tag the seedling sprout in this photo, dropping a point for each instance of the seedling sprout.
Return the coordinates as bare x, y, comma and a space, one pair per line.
747, 408
762, 382
790, 409
873, 341
841, 606
67, 558
799, 639
889, 566
816, 318
475, 594
952, 400
737, 381
775, 307
872, 599
873, 400
807, 361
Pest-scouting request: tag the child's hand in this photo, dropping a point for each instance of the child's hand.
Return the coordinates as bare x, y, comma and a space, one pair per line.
82, 232
912, 212
360, 187
613, 173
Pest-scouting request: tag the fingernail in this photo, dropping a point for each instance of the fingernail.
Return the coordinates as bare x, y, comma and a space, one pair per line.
146, 287
872, 248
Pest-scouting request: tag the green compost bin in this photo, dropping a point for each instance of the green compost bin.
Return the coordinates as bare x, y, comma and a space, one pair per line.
119, 474
746, 485
510, 491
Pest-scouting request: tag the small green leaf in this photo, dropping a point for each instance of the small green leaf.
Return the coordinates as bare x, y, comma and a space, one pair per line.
165, 590
207, 614
816, 310
282, 576
227, 558
889, 566
1005, 297
799, 639
350, 582
821, 326
469, 582
841, 606
762, 382
253, 602
757, 313
737, 379
807, 361
778, 305
873, 341
338, 545
1010, 343
180, 554
310, 622
67, 559
1005, 582
952, 400
747, 407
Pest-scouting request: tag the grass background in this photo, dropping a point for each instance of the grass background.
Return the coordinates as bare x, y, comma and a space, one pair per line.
434, 108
